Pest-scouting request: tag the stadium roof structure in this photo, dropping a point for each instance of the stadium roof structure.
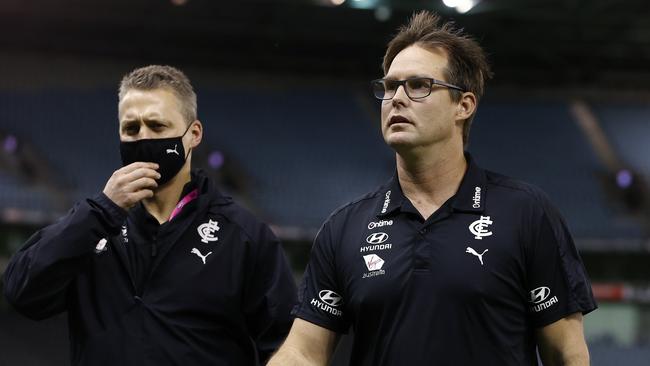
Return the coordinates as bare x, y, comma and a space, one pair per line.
531, 42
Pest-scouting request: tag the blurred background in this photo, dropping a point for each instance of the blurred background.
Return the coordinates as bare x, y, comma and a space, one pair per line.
292, 131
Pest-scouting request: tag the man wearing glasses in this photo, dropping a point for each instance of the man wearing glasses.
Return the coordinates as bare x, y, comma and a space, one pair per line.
446, 264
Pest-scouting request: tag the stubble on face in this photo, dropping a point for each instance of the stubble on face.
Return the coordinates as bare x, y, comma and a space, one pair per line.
411, 124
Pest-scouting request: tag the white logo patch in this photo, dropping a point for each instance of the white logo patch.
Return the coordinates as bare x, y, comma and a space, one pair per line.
473, 252
386, 202
173, 151
538, 298
198, 253
376, 224
330, 297
207, 230
101, 246
377, 238
479, 227
373, 262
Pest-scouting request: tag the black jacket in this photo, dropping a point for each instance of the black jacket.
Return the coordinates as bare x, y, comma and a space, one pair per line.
229, 307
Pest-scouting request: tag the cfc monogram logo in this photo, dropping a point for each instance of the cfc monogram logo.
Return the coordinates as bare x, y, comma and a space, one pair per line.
207, 230
479, 227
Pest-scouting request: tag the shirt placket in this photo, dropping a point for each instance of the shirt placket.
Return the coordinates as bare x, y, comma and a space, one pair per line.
423, 246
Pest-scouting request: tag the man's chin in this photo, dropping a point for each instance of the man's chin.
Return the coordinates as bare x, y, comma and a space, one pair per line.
399, 141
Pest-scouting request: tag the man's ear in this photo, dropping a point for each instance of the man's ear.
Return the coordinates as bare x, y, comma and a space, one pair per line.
466, 106
196, 132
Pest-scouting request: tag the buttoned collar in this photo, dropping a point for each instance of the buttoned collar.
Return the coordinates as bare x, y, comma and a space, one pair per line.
469, 198
471, 193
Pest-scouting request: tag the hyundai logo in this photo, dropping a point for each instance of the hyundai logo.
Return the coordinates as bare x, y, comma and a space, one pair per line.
377, 238
539, 294
330, 297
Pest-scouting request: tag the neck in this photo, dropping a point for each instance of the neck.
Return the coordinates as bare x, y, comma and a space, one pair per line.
166, 197
431, 176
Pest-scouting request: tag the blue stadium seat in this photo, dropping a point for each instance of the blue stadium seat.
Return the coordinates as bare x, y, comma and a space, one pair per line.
307, 152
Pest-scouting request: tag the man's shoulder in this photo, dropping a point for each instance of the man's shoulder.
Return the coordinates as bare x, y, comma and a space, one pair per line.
365, 203
515, 189
249, 224
221, 204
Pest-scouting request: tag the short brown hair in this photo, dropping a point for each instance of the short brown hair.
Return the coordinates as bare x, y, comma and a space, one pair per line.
467, 65
156, 76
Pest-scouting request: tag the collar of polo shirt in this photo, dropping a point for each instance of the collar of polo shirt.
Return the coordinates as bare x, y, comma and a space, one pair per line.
469, 198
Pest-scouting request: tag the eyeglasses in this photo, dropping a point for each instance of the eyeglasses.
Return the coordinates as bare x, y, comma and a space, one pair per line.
415, 88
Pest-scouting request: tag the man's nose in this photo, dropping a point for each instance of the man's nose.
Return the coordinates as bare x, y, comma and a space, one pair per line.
144, 133
400, 95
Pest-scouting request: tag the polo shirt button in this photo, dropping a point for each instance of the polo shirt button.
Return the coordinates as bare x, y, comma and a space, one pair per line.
423, 231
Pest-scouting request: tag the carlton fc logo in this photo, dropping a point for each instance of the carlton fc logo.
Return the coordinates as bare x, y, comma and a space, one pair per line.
206, 231
480, 227
377, 238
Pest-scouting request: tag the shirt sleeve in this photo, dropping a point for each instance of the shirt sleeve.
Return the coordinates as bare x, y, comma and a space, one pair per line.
270, 294
558, 284
39, 274
321, 299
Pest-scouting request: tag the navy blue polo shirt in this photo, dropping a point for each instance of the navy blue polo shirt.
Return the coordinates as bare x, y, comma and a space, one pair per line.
467, 286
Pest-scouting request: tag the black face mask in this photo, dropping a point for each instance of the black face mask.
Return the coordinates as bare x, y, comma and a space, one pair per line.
168, 153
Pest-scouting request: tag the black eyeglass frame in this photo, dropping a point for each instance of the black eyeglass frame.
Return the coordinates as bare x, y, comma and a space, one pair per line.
402, 83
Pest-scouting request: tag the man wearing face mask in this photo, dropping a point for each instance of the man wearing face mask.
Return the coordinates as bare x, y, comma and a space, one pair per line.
160, 268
